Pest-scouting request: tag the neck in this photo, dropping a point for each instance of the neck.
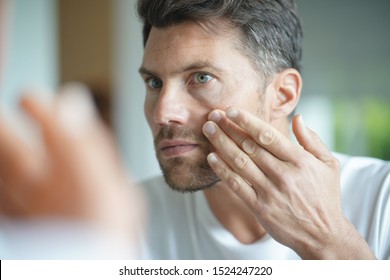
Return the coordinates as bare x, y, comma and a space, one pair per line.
233, 214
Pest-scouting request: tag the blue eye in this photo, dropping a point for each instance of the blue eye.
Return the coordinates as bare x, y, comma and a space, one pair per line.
202, 78
154, 83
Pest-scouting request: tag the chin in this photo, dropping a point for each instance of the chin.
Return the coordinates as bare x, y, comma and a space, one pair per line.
183, 176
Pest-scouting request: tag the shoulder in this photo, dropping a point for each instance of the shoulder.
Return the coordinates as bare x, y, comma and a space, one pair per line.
365, 189
360, 161
364, 177
364, 181
364, 169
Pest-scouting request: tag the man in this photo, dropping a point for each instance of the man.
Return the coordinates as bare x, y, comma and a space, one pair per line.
222, 78
218, 102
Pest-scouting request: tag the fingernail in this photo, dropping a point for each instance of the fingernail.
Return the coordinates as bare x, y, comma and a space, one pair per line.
302, 124
232, 113
300, 119
215, 116
212, 158
209, 128
75, 108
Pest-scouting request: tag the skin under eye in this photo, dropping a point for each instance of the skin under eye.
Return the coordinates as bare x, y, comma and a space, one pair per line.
202, 78
154, 83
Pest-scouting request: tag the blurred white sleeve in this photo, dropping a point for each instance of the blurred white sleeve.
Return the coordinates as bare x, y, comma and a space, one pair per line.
59, 239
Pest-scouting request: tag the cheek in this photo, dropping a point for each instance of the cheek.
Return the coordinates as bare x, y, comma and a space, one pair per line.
149, 107
248, 100
212, 97
229, 95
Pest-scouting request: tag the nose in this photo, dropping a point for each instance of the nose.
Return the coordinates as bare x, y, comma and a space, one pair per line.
172, 107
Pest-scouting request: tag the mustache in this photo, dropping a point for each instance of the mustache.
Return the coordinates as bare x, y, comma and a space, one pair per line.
173, 132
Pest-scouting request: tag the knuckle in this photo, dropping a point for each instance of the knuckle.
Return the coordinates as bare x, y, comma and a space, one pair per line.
264, 213
234, 183
240, 161
334, 163
244, 121
266, 136
286, 182
301, 161
250, 147
221, 172
220, 140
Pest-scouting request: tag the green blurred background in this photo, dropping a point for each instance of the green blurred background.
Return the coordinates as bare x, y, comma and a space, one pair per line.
347, 70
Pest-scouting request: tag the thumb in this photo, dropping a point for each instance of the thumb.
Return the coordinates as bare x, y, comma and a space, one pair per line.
309, 140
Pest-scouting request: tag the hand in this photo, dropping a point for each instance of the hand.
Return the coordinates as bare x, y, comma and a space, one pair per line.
77, 175
294, 191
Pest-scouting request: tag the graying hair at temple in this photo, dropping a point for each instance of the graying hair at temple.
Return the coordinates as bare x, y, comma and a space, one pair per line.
270, 30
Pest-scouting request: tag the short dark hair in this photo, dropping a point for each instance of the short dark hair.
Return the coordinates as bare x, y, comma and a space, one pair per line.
271, 31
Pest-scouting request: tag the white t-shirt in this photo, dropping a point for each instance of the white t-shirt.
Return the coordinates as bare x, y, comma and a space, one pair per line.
182, 226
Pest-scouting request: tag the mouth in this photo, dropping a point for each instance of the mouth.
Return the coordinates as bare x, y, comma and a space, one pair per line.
175, 148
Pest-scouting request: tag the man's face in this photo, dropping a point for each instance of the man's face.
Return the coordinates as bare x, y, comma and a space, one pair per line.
189, 71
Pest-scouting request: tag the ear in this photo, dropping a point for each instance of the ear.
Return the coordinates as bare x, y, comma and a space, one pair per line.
286, 87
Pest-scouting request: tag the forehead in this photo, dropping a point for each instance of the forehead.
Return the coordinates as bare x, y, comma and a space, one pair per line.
188, 41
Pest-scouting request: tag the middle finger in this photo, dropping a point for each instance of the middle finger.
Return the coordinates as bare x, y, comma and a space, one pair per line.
270, 165
239, 161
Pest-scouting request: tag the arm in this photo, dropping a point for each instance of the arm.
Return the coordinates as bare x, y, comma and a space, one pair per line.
294, 191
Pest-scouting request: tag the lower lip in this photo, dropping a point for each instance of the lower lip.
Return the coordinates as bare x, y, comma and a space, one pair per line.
177, 150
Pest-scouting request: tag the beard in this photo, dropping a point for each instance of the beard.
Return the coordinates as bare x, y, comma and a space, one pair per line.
186, 174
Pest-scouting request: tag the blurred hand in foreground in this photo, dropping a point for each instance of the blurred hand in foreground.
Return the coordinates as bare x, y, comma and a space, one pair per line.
77, 174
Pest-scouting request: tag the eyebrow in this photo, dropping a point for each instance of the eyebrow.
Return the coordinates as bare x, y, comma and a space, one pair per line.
193, 66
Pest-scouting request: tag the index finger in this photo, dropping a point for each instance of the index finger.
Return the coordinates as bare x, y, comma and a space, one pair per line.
264, 134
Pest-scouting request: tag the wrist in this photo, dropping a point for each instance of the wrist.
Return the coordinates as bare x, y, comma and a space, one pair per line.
344, 243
